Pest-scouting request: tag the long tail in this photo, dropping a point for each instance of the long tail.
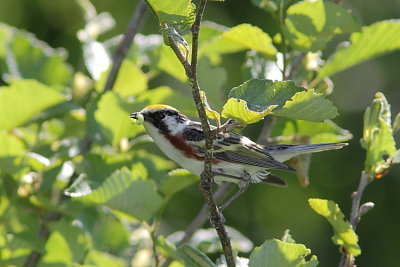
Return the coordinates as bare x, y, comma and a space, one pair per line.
284, 152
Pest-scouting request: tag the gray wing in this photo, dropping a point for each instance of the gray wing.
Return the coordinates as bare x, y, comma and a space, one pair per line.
234, 148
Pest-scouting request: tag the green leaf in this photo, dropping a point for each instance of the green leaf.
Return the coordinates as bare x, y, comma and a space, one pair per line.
128, 192
344, 234
275, 253
237, 109
212, 114
374, 40
254, 99
24, 99
378, 136
130, 80
58, 252
167, 61
168, 96
179, 13
315, 132
194, 257
308, 105
309, 25
99, 258
28, 58
239, 38
176, 181
112, 118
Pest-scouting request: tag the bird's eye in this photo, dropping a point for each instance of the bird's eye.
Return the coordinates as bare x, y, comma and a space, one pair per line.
161, 115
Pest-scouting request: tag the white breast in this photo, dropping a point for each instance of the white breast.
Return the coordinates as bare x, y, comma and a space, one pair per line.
192, 165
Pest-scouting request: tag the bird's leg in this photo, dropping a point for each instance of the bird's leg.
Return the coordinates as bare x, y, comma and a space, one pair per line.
242, 187
228, 126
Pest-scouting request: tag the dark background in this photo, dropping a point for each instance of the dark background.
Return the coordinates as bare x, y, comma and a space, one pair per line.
264, 211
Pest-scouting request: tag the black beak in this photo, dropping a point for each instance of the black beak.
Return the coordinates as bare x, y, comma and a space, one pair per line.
134, 115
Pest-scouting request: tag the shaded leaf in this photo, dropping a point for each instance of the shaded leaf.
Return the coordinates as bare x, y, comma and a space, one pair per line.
374, 40
313, 132
308, 105
128, 192
254, 99
309, 25
176, 181
344, 234
194, 257
275, 253
24, 99
28, 58
378, 136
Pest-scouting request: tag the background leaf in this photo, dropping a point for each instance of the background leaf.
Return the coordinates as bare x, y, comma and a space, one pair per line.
24, 99
378, 136
275, 253
26, 57
129, 192
344, 234
309, 25
239, 38
377, 39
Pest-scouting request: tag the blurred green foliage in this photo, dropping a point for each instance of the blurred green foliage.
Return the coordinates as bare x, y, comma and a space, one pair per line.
122, 198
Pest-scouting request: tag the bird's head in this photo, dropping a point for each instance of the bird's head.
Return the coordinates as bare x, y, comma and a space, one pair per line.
163, 117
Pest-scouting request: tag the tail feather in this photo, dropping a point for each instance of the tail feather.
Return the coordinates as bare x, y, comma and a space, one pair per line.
282, 153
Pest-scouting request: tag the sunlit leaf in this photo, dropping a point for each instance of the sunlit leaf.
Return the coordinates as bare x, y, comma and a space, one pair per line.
239, 38
309, 25
99, 258
238, 109
212, 114
344, 234
130, 80
128, 192
275, 253
28, 58
24, 99
378, 136
374, 40
194, 257
166, 61
97, 59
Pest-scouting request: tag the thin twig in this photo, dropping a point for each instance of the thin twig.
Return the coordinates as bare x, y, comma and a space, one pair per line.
206, 176
122, 49
347, 260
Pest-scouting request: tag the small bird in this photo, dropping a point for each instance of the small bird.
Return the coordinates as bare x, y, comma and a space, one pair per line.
236, 158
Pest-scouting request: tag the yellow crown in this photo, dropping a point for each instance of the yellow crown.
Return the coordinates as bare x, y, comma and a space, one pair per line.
157, 106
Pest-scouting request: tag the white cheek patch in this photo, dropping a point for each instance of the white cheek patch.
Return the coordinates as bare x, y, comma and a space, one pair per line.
173, 126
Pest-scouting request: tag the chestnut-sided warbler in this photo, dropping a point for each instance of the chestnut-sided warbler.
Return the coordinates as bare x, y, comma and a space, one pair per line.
236, 158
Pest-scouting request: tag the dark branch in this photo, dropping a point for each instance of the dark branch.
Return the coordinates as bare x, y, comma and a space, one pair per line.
122, 49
